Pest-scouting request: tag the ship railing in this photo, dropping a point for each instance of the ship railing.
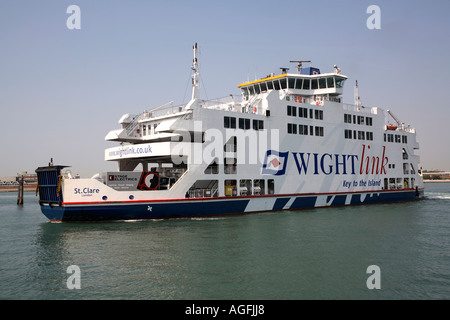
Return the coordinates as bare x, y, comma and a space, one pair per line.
314, 101
407, 129
161, 112
355, 108
224, 103
203, 193
229, 103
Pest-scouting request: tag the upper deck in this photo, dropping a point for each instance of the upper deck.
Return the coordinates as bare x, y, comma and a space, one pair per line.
308, 82
259, 99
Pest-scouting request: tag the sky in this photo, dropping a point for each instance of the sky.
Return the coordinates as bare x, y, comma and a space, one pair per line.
62, 90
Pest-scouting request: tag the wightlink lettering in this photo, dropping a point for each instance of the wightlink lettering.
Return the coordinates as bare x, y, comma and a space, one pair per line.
371, 164
328, 163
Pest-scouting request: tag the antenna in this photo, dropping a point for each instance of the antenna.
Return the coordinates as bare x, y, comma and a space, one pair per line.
299, 64
195, 81
356, 96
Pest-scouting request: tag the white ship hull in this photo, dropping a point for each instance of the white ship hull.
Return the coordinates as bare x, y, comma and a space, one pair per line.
288, 144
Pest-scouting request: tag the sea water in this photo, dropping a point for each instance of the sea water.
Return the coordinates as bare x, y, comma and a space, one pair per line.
383, 251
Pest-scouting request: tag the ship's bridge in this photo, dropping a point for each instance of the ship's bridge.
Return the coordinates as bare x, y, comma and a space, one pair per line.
308, 82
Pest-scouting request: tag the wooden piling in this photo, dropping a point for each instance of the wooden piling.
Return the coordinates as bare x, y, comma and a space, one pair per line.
20, 194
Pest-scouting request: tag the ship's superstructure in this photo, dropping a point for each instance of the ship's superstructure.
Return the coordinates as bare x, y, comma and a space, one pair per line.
288, 142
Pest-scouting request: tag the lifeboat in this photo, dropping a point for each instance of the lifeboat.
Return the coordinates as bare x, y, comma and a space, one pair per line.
391, 127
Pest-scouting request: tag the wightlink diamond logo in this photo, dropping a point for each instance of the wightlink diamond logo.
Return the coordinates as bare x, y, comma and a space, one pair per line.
275, 163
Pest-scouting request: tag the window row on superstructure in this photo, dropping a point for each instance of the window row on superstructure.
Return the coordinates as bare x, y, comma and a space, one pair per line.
303, 112
242, 123
348, 118
395, 138
358, 135
303, 130
398, 183
231, 188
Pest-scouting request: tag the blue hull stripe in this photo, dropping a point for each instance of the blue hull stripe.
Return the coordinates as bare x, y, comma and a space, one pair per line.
280, 203
304, 202
339, 200
157, 210
212, 207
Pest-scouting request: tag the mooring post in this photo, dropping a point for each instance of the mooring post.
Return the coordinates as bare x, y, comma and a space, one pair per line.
20, 195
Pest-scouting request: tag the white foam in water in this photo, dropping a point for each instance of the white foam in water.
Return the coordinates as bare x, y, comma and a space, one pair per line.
439, 196
206, 218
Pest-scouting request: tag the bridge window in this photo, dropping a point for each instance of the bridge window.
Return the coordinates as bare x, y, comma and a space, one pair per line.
314, 84
270, 85
306, 84
339, 83
291, 83
330, 82
245, 92
283, 83
263, 87
276, 84
298, 84
322, 83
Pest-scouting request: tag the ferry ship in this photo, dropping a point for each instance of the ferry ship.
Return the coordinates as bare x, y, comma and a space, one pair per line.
288, 142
